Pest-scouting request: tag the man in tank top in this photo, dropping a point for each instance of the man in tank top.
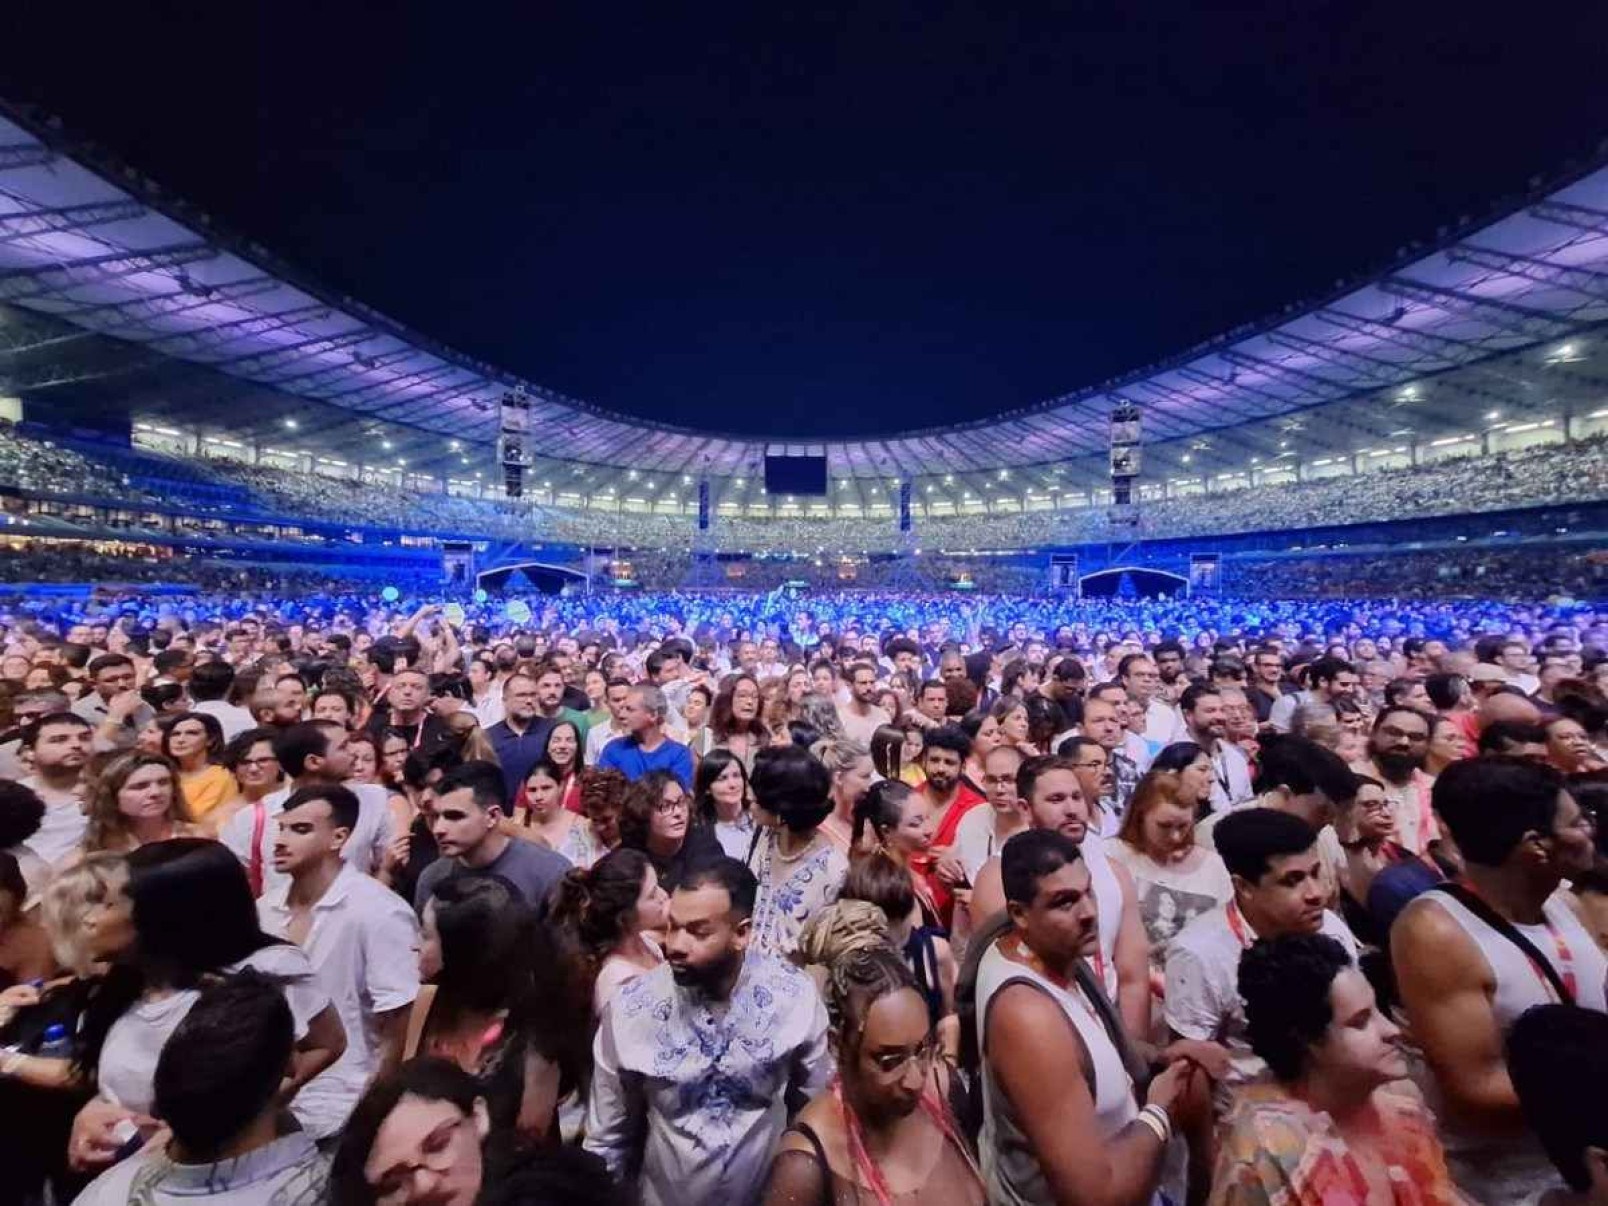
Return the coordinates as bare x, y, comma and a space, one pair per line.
1051, 792
1060, 1118
1470, 957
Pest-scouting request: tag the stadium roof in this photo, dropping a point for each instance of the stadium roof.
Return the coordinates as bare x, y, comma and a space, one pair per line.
120, 296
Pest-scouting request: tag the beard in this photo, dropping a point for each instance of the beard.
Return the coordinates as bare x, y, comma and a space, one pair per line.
704, 977
1398, 768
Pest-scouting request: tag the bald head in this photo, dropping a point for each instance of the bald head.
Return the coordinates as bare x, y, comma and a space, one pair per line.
1509, 707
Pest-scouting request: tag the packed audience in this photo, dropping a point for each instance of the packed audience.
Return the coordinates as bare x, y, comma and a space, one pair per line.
702, 897
1561, 473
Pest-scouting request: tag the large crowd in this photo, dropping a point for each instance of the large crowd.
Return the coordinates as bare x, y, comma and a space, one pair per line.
703, 897
1571, 472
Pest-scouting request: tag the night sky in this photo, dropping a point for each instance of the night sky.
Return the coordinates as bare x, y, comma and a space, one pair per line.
827, 219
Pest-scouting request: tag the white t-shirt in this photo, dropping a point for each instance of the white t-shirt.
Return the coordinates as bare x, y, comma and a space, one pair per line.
127, 1070
61, 832
1202, 995
364, 945
975, 842
231, 718
365, 849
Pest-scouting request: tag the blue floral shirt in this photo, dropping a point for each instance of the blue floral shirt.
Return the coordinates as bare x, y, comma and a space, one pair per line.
689, 1096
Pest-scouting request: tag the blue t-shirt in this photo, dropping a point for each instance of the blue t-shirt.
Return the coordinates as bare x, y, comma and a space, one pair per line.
627, 756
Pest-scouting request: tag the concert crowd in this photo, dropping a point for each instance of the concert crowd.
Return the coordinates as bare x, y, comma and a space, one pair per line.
853, 897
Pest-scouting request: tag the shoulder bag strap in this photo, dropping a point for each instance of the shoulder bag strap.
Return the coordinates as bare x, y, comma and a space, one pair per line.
1504, 927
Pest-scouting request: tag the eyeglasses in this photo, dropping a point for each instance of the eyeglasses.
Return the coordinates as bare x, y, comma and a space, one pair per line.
268, 761
435, 1154
662, 807
892, 1062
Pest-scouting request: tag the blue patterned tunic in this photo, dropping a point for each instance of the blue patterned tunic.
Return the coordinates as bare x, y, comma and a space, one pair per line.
791, 892
690, 1096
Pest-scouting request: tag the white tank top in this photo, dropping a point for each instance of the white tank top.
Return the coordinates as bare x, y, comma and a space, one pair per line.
1510, 1170
1108, 900
1009, 1166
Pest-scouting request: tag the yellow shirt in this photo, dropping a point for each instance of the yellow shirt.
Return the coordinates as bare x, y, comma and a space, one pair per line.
205, 789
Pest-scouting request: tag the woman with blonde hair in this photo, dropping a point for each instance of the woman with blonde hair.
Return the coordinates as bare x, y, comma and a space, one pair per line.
136, 801
852, 775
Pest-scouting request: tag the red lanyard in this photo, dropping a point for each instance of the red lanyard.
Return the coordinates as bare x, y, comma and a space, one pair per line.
1560, 947
1237, 926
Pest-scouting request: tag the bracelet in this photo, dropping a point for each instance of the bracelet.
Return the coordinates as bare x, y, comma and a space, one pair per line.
1156, 1119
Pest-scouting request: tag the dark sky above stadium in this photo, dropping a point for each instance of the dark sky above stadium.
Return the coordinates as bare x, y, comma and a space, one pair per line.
830, 218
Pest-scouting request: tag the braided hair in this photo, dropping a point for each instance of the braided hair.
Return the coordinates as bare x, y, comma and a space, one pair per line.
858, 981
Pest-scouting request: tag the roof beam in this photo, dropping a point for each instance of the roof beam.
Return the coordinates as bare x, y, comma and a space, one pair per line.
1257, 364
30, 223
251, 362
1384, 372
1444, 347
418, 377
1584, 281
17, 284
311, 379
1507, 316
129, 312
227, 332
25, 155
1581, 217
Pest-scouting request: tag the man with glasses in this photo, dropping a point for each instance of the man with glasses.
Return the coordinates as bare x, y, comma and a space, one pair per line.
520, 738
1103, 723
1397, 749
27, 708
1142, 680
1092, 765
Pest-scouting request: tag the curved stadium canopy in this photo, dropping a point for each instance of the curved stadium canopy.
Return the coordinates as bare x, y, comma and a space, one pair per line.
114, 295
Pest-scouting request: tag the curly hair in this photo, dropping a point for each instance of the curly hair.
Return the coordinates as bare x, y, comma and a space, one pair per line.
108, 828
594, 906
1285, 984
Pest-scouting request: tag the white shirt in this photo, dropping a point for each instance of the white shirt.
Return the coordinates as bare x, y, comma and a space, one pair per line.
1231, 777
127, 1070
363, 944
1202, 996
974, 839
61, 832
232, 718
1163, 723
597, 737
365, 849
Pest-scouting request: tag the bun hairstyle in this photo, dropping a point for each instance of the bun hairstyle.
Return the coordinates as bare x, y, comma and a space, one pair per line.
880, 809
595, 905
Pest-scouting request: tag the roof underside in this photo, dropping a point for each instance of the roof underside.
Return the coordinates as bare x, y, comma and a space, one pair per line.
117, 296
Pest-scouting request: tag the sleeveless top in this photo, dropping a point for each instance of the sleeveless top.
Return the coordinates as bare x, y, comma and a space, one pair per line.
1010, 1169
1509, 1169
1108, 900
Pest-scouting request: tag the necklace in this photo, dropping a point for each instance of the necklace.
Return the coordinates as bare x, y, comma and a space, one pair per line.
778, 856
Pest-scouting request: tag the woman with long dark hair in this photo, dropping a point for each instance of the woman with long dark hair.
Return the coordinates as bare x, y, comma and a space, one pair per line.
563, 751
186, 912
720, 801
798, 867
734, 722
897, 820
501, 1002
611, 911
194, 743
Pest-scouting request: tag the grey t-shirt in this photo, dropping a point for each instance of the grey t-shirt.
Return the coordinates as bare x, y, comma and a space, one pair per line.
531, 868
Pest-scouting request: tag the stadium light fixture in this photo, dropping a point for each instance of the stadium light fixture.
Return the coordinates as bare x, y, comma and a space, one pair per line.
386, 445
291, 423
1185, 458
1492, 416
